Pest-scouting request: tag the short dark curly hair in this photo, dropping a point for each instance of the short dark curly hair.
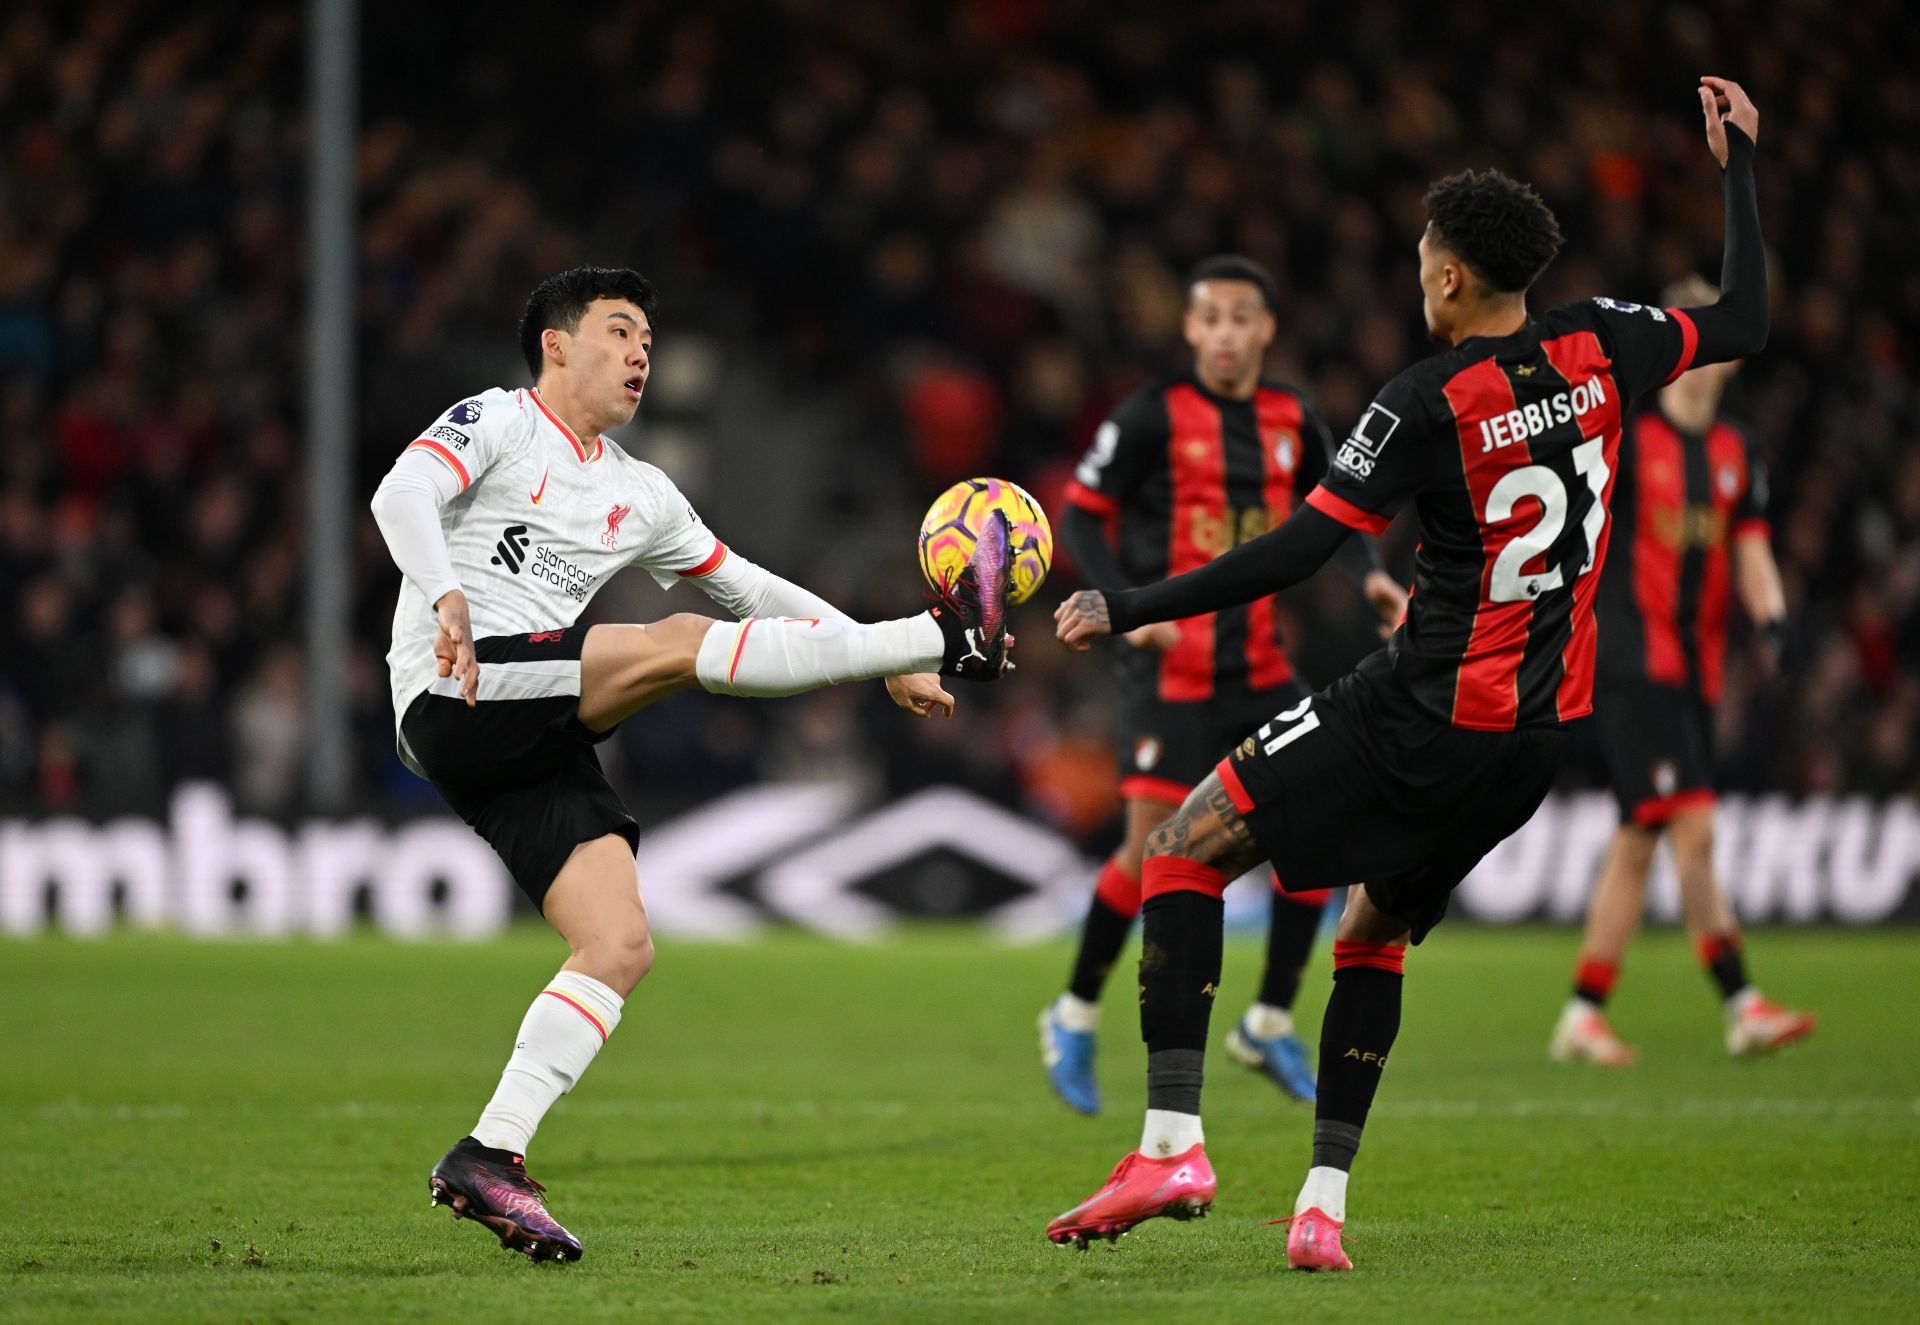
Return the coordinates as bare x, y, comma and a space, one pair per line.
1234, 267
1501, 227
561, 300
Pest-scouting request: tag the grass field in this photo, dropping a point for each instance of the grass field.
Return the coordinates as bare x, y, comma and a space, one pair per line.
799, 1130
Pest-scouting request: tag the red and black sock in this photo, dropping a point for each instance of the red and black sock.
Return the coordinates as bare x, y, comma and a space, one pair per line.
1721, 955
1362, 1019
1179, 975
1593, 980
1290, 935
1116, 901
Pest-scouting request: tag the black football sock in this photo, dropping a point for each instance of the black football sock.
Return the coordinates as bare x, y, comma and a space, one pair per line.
1361, 1021
1721, 955
1290, 935
1116, 900
1179, 976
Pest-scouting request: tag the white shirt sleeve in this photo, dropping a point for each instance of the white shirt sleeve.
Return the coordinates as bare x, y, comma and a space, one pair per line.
679, 545
469, 438
746, 590
442, 462
406, 506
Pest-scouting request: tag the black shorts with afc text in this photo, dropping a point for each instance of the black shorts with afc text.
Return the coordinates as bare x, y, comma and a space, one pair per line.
520, 768
1359, 785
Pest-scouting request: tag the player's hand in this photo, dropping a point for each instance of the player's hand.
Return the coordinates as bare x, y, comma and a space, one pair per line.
1724, 102
1083, 616
1388, 599
920, 694
453, 645
1159, 636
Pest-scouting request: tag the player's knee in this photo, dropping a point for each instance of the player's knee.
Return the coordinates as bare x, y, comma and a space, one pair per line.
621, 957
1691, 832
1172, 838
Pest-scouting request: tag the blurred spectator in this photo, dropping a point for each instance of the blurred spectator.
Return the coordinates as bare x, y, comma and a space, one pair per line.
951, 236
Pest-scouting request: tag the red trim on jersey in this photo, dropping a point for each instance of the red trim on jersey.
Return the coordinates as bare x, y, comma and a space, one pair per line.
1578, 358
1656, 811
707, 567
1689, 343
1335, 507
1091, 499
1236, 790
1177, 874
1726, 453
1277, 419
1140, 787
1486, 689
453, 461
1389, 957
1660, 503
1197, 464
596, 1023
1754, 526
554, 419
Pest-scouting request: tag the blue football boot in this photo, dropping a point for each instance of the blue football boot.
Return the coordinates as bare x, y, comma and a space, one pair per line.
1068, 1057
1283, 1058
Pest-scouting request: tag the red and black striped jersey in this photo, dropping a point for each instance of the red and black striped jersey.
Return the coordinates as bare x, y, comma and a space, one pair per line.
1679, 501
1508, 447
1185, 475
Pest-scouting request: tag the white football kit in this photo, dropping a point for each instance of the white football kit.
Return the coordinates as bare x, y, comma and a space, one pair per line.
529, 545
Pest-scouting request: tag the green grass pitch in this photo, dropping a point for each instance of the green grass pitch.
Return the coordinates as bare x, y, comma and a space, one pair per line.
798, 1130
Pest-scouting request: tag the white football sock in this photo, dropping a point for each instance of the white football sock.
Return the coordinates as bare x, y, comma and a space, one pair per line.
1326, 1189
563, 1030
1168, 1133
1076, 1014
1268, 1022
770, 656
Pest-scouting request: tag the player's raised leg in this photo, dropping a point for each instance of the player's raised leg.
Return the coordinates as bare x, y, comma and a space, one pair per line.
1068, 1024
595, 905
1264, 1038
1188, 862
624, 668
1613, 915
1361, 1022
1755, 1025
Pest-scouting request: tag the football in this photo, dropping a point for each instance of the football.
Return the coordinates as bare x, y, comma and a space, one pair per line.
953, 522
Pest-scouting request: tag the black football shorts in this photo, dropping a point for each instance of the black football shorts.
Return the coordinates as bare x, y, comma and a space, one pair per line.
1358, 785
521, 771
1166, 750
1657, 744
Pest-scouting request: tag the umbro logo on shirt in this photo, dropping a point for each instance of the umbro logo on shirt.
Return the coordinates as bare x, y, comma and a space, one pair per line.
511, 550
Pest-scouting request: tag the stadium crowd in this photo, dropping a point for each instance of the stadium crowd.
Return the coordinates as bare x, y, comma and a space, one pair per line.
960, 230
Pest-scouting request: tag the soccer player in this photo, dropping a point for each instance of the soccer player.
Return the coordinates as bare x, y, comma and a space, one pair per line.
1402, 774
505, 516
1183, 470
1690, 500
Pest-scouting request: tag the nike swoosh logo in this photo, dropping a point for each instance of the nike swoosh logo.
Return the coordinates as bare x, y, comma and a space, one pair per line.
538, 493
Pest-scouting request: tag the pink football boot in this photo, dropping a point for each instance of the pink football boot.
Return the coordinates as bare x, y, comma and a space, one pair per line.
1140, 1188
1313, 1242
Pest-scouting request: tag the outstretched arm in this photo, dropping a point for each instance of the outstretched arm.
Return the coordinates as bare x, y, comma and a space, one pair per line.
1278, 559
1737, 325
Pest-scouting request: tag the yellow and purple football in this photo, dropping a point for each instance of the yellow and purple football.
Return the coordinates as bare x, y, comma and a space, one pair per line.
954, 522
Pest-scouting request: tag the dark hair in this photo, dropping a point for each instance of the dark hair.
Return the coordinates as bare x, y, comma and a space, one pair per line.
561, 300
1233, 267
1501, 227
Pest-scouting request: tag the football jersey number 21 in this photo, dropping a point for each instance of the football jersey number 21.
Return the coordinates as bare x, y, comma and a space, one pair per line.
1510, 583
